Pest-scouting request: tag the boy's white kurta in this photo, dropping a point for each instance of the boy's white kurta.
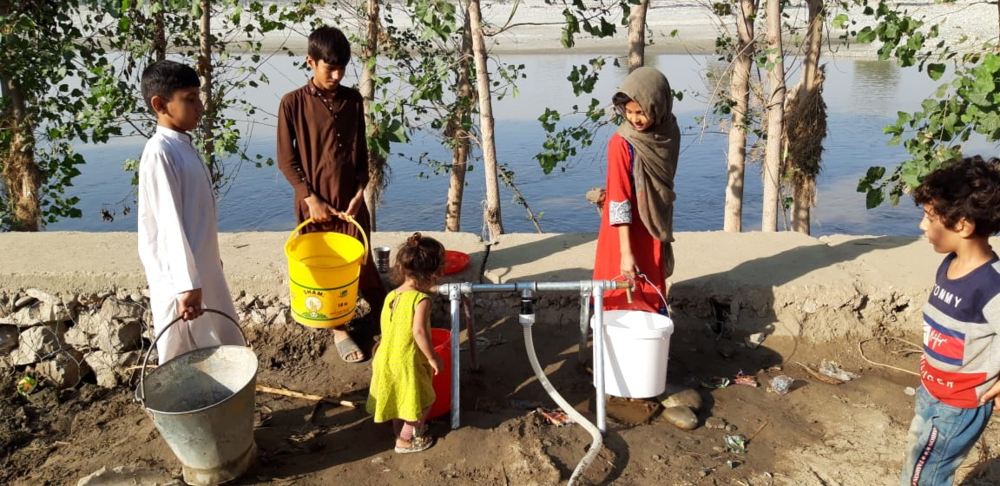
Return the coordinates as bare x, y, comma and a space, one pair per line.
179, 244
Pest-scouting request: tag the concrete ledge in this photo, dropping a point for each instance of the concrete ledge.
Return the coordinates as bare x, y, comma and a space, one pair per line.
787, 283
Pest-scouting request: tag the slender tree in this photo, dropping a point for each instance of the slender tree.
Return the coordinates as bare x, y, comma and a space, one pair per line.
739, 89
805, 125
637, 36
458, 132
491, 213
378, 169
775, 108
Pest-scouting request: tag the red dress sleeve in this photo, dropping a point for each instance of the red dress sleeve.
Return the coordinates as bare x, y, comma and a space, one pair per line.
619, 183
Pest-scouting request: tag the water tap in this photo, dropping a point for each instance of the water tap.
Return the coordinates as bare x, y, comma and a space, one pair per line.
527, 315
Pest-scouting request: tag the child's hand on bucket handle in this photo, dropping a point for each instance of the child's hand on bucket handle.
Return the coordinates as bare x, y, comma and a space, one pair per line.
189, 305
319, 210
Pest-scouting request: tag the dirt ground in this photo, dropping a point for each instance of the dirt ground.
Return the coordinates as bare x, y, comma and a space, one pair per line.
817, 434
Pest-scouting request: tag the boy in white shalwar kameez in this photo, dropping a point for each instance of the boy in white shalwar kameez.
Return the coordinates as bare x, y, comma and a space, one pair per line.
178, 226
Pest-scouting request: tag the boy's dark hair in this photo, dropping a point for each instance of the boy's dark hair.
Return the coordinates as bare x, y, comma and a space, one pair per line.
421, 258
619, 100
330, 45
163, 78
969, 189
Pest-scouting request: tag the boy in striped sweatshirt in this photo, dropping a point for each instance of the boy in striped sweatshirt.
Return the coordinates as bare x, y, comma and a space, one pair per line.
961, 359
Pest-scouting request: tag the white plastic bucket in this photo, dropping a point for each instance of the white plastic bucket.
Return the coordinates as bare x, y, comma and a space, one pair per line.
636, 349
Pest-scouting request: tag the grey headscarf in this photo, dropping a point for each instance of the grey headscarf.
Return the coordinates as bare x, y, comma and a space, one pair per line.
656, 150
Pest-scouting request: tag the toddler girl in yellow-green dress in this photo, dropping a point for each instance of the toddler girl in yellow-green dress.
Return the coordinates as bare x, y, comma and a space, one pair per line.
405, 362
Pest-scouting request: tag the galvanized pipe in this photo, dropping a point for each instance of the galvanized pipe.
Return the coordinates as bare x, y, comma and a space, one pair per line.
454, 291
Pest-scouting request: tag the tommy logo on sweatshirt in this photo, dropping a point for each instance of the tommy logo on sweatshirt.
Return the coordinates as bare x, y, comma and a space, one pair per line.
943, 344
945, 296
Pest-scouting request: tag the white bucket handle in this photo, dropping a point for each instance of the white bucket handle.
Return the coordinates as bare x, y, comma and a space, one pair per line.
142, 371
644, 277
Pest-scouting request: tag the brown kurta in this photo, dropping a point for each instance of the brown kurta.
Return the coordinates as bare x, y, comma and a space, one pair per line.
322, 151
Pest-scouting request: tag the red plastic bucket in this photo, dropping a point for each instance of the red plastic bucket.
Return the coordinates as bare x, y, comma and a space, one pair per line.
441, 340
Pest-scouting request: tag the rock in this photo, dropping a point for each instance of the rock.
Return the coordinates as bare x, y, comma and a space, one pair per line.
277, 315
137, 297
116, 309
65, 370
77, 338
124, 475
910, 391
8, 339
38, 344
715, 423
112, 335
40, 313
676, 396
104, 365
681, 417
257, 317
43, 296
23, 301
248, 301
731, 428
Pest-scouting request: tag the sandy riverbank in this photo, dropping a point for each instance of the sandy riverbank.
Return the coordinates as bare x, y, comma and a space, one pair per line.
684, 27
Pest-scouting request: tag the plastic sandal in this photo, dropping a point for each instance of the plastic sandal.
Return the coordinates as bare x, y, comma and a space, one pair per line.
417, 444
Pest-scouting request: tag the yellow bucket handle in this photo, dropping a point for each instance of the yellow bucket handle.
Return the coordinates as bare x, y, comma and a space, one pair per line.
364, 237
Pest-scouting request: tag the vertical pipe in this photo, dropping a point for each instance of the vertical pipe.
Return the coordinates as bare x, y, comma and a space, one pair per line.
455, 295
599, 355
581, 355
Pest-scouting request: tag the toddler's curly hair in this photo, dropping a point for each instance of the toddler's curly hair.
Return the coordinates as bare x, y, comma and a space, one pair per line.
420, 258
966, 189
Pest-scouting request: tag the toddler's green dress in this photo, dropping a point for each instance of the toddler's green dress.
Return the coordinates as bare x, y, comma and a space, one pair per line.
401, 385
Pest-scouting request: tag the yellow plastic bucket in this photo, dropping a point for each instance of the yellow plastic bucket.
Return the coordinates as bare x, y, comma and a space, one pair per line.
323, 270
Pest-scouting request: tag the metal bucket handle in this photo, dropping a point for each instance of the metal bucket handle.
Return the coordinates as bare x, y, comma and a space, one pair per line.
361, 231
142, 372
644, 277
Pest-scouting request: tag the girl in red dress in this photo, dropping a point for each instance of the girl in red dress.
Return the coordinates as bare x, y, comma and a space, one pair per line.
638, 210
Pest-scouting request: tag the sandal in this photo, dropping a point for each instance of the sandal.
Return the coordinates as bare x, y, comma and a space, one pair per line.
417, 444
347, 347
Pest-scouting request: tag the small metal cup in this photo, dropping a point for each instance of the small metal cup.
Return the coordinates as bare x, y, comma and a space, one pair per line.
382, 258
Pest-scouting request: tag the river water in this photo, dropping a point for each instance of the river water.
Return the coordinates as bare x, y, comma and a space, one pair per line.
861, 97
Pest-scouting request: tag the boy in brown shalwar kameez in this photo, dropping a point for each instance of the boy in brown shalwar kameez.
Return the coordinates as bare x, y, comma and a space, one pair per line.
323, 153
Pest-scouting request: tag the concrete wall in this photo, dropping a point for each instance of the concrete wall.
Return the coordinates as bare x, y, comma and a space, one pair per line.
786, 283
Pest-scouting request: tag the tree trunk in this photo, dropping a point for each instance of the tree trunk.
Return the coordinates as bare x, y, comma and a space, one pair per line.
159, 34
637, 35
803, 196
20, 173
491, 214
771, 173
458, 135
739, 89
205, 71
376, 163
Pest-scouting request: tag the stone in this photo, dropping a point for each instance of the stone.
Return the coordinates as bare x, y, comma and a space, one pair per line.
715, 423
116, 309
38, 344
8, 339
113, 335
103, 364
23, 301
123, 475
43, 296
65, 370
39, 313
676, 396
248, 301
257, 317
77, 338
681, 417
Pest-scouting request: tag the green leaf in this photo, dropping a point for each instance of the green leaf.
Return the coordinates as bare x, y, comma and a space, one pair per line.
935, 70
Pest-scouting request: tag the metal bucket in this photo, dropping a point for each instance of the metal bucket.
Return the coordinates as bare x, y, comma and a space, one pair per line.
202, 402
